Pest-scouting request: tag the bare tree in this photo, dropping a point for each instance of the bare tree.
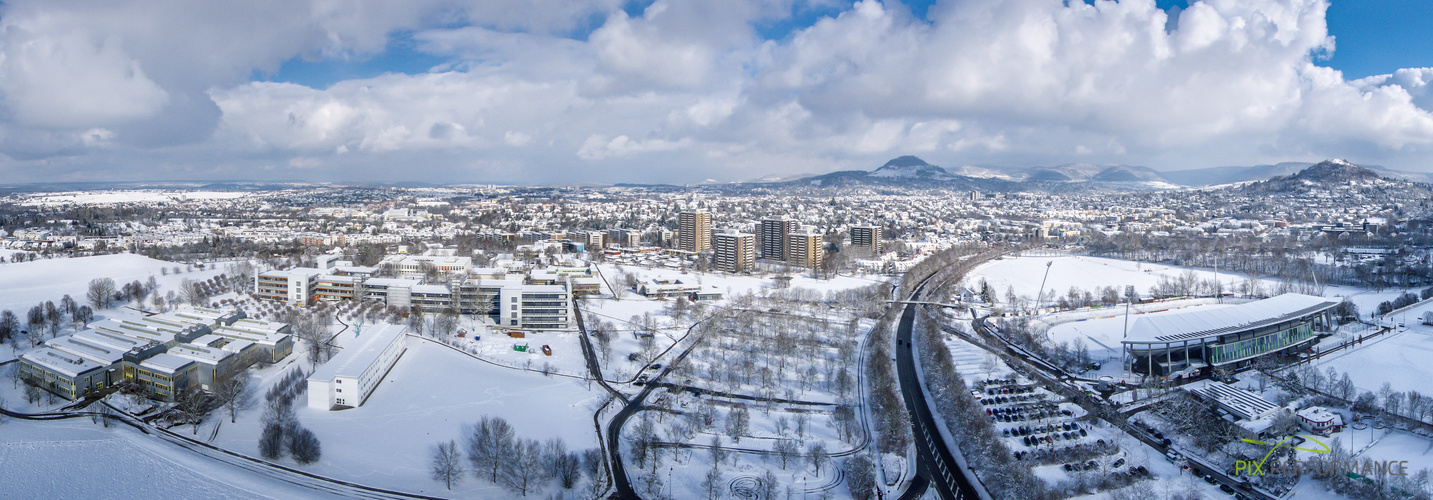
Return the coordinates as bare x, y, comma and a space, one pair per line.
189, 292
786, 450
101, 293
816, 454
271, 441
860, 477
712, 483
569, 470
447, 465
737, 423
236, 394
489, 443
9, 325
83, 315
194, 406
523, 468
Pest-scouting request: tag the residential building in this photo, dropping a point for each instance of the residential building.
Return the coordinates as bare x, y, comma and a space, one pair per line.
866, 238
805, 248
735, 252
772, 235
694, 231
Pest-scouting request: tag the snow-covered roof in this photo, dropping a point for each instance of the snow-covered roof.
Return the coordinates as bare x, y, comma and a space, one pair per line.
99, 353
1213, 322
1319, 414
1243, 404
120, 342
355, 358
202, 354
60, 362
166, 363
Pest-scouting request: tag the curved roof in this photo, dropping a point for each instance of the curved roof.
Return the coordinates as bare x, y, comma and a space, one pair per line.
1213, 322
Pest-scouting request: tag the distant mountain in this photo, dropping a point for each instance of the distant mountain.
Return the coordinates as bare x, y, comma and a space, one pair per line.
1336, 172
1332, 175
1229, 175
910, 167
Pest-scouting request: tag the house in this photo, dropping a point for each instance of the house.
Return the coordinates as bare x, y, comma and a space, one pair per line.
1320, 420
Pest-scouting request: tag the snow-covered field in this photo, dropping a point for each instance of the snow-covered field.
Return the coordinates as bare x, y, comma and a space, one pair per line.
427, 398
1087, 273
41, 458
134, 196
25, 284
1400, 359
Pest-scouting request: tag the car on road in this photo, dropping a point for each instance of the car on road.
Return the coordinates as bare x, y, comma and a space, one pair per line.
1226, 489
1209, 478
1166, 442
655, 366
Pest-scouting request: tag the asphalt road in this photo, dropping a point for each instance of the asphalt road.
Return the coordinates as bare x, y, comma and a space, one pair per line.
934, 462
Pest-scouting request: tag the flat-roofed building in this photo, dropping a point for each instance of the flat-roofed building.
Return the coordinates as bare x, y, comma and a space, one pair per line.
805, 248
694, 231
545, 307
274, 343
62, 373
735, 252
347, 380
212, 365
586, 286
866, 238
418, 266
772, 236
165, 376
294, 286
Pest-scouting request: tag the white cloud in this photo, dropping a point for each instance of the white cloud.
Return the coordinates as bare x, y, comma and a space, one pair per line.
692, 84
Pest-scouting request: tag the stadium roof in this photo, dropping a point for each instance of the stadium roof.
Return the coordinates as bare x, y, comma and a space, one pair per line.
1213, 322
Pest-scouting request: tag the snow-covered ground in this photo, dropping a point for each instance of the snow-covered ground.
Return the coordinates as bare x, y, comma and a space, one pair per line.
428, 398
1399, 359
25, 284
128, 196
1087, 273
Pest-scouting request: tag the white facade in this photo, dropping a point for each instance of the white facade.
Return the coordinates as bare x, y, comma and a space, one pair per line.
349, 378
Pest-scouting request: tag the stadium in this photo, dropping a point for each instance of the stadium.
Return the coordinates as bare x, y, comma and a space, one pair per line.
1225, 339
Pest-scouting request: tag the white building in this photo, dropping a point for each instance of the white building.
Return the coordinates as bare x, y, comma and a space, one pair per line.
349, 378
1320, 420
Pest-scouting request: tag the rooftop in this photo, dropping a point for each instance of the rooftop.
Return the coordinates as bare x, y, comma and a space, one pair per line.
1212, 322
60, 362
357, 357
166, 363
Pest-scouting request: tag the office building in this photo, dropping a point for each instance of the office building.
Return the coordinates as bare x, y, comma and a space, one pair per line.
347, 380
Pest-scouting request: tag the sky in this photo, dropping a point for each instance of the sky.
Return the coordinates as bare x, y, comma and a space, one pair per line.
605, 91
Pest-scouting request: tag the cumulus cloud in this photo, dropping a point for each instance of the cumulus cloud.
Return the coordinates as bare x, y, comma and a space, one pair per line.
588, 90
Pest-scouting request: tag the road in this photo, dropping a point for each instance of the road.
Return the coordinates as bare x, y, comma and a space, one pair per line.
614, 429
935, 466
